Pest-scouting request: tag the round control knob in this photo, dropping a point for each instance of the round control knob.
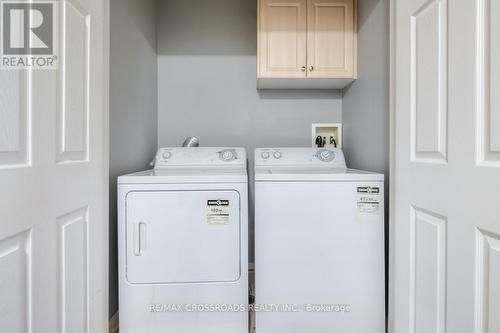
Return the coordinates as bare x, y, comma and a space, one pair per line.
325, 155
166, 155
277, 154
227, 155
265, 155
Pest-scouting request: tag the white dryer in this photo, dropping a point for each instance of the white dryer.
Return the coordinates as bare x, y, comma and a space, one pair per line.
319, 243
182, 231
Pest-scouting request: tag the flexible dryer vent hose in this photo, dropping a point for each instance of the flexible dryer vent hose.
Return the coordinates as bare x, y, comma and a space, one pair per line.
191, 141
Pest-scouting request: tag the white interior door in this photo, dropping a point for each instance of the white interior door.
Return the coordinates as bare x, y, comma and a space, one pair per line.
445, 224
53, 182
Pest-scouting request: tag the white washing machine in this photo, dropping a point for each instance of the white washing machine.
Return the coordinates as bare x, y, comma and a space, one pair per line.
319, 243
182, 228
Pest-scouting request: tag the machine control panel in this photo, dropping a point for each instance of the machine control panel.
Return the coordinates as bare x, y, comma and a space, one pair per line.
199, 157
289, 157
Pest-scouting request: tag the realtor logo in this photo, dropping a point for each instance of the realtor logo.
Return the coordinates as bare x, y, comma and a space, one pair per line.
28, 34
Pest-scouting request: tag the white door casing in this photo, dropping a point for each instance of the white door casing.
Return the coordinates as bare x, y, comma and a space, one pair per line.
445, 168
53, 182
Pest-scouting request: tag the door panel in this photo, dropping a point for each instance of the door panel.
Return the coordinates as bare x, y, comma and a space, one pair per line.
330, 38
429, 82
53, 176
183, 236
73, 108
72, 270
488, 83
282, 38
15, 255
14, 119
487, 275
428, 271
445, 220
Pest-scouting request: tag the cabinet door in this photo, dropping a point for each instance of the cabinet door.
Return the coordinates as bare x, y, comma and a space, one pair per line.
331, 46
282, 38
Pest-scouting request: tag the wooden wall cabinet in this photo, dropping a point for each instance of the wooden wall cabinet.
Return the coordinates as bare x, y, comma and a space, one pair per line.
306, 43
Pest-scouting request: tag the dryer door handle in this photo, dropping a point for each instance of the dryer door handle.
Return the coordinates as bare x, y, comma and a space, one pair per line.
139, 238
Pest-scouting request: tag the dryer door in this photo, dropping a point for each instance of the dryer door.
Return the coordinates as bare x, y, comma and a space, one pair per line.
183, 236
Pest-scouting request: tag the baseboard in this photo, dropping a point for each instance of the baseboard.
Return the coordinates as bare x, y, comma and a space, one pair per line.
113, 323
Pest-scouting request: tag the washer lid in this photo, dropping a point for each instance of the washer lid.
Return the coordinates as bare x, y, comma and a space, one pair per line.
315, 175
306, 164
186, 175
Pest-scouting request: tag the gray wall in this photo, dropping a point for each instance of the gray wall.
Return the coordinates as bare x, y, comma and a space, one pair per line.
207, 83
133, 104
365, 105
366, 102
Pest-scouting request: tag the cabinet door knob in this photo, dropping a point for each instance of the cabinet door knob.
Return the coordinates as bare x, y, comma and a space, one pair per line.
311, 68
303, 68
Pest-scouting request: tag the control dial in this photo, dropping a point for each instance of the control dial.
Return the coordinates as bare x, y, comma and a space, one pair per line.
265, 155
166, 155
277, 154
325, 155
227, 155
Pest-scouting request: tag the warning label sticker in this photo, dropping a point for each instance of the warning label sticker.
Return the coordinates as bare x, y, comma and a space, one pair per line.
368, 200
217, 211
